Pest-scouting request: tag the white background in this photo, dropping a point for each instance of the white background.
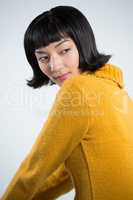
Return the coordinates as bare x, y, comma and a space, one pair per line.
23, 109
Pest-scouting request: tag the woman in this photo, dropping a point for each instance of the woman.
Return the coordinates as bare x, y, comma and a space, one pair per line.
86, 143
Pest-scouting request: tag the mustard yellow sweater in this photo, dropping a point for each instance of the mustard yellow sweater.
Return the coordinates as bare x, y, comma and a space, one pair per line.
85, 144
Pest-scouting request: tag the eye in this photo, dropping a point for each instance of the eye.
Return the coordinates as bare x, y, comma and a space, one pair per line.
43, 59
65, 51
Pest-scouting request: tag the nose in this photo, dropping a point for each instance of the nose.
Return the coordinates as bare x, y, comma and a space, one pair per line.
55, 64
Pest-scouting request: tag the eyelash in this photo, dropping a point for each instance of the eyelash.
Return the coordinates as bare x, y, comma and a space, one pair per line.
66, 50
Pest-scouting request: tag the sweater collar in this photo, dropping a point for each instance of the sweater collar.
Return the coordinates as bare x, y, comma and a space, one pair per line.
111, 72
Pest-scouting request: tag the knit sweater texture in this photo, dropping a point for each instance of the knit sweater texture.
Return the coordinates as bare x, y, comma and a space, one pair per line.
85, 144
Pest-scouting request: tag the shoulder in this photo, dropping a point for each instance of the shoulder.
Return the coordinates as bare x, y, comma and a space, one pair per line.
72, 88
76, 82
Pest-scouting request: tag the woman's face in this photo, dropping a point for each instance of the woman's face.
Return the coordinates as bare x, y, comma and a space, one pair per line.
59, 60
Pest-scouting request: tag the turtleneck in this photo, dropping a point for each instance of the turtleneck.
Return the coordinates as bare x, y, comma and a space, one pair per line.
111, 72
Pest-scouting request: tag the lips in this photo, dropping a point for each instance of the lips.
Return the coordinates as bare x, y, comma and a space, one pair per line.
63, 77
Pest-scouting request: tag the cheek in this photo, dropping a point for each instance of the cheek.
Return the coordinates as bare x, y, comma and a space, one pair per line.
75, 57
44, 70
73, 60
47, 74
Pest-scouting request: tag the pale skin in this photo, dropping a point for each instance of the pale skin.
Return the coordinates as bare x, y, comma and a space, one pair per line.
59, 58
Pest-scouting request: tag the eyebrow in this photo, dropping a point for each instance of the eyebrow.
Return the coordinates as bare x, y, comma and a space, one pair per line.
42, 52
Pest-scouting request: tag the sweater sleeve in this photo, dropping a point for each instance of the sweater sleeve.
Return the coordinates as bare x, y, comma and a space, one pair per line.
66, 125
55, 185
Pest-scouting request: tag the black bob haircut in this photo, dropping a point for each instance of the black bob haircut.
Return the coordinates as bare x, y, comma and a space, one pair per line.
52, 26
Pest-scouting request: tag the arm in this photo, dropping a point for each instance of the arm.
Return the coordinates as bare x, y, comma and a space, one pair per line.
62, 132
55, 185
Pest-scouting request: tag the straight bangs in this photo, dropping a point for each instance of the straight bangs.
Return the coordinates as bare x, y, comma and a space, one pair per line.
47, 31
